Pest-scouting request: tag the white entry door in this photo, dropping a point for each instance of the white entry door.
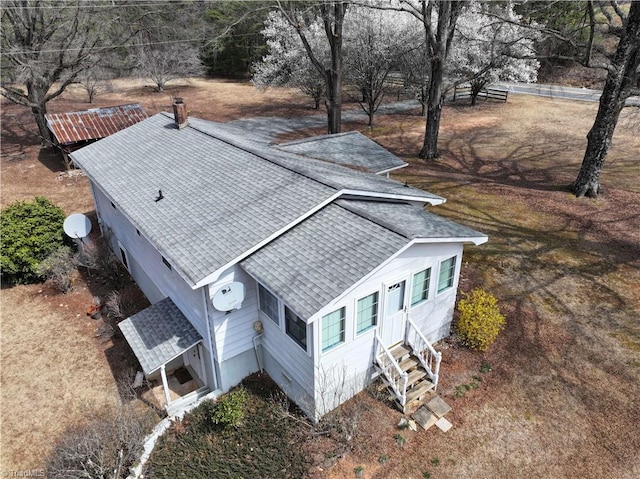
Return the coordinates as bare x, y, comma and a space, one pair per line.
393, 321
194, 358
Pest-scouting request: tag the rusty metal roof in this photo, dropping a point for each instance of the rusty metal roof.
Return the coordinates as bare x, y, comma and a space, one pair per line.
93, 124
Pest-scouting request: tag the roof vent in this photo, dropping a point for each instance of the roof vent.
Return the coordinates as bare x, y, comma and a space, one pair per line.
180, 113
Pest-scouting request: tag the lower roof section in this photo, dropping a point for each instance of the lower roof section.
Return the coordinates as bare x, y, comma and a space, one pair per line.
159, 334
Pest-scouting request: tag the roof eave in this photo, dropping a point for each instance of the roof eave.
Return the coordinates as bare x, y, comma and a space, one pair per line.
356, 194
389, 170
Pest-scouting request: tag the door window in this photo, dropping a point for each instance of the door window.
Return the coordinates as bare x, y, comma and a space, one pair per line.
395, 298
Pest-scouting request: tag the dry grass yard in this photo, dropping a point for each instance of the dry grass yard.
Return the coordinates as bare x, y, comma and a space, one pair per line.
562, 398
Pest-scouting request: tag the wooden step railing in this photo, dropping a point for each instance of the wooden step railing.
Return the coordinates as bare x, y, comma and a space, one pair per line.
396, 378
422, 349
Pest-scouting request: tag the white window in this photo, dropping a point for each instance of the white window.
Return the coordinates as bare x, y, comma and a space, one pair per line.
333, 329
420, 286
296, 327
268, 304
447, 274
367, 312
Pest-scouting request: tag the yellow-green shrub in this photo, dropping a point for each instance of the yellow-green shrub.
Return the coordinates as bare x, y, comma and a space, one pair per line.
479, 320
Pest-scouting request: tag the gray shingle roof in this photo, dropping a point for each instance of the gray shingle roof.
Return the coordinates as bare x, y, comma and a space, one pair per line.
159, 334
320, 258
349, 149
411, 221
223, 194
219, 200
317, 260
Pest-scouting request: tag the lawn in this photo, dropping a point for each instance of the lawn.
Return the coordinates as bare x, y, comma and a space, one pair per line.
562, 398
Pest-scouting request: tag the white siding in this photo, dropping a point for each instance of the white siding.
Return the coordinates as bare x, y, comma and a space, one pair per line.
432, 316
155, 279
234, 335
233, 332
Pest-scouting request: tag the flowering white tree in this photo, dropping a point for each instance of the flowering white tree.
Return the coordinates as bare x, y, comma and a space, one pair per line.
487, 50
375, 42
287, 62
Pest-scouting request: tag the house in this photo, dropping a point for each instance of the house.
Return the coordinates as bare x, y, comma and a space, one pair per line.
259, 258
73, 130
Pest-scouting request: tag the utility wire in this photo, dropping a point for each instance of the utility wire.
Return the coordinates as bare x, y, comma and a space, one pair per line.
58, 50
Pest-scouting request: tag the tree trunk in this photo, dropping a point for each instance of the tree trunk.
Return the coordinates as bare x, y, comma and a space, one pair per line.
37, 100
334, 75
439, 46
334, 102
621, 78
434, 109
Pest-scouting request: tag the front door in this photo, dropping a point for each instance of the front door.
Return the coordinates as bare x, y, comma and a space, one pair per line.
194, 358
393, 322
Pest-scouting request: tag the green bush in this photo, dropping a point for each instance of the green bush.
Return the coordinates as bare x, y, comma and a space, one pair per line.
480, 320
30, 231
229, 409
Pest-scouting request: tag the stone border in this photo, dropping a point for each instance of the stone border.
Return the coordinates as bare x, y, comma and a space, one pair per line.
135, 472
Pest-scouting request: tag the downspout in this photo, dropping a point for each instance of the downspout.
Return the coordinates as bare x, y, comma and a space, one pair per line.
258, 328
212, 354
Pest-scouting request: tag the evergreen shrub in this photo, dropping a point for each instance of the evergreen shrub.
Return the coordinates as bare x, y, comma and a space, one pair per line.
30, 231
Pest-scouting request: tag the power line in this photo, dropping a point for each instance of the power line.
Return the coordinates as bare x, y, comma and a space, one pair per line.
101, 4
26, 52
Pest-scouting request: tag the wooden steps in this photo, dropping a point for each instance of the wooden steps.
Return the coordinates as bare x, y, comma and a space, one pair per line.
419, 386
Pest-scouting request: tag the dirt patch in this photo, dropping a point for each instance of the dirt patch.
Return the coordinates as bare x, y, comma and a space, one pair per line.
561, 398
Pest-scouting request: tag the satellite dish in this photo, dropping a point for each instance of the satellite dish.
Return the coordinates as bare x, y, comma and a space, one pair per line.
228, 297
77, 226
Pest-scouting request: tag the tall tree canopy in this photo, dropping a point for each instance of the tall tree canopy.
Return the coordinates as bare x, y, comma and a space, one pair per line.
46, 44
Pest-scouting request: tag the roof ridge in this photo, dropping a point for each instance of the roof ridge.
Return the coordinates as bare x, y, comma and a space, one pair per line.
225, 138
345, 204
318, 138
262, 153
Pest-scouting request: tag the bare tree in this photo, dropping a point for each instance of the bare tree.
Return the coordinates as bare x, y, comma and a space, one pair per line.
332, 13
46, 44
168, 62
94, 81
101, 449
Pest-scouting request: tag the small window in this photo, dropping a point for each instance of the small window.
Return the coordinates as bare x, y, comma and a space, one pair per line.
296, 328
166, 263
367, 312
268, 304
447, 274
420, 286
123, 256
333, 329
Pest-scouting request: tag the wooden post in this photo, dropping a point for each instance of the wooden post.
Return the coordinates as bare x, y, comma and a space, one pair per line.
165, 385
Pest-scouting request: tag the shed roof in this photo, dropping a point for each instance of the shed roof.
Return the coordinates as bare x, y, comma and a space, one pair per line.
93, 124
223, 196
349, 149
159, 334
